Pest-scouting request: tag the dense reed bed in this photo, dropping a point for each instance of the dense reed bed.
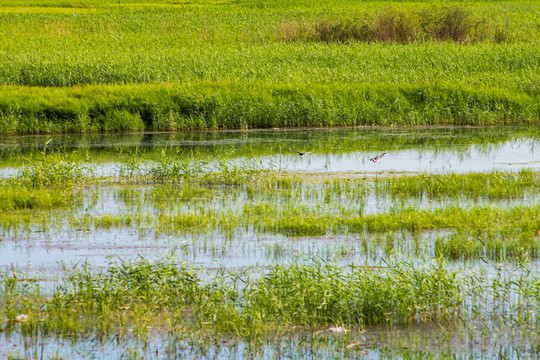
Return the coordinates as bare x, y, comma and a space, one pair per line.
228, 66
243, 106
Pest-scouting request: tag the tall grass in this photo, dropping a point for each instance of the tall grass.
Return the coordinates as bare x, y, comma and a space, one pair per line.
174, 296
242, 106
454, 23
321, 294
177, 298
243, 66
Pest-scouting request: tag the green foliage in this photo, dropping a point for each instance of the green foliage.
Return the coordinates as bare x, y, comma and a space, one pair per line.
53, 170
267, 203
311, 295
162, 283
178, 298
225, 65
454, 23
314, 294
16, 197
475, 185
234, 106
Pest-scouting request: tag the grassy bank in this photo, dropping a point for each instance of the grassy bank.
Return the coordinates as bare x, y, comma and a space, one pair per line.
165, 66
257, 105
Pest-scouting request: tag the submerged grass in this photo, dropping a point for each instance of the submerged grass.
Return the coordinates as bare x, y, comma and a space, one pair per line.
47, 184
17, 197
494, 185
188, 196
175, 297
475, 231
495, 216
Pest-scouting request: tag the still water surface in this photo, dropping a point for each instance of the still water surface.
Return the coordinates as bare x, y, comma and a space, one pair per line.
341, 150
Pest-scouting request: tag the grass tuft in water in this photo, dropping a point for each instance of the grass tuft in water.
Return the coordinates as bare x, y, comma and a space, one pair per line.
173, 295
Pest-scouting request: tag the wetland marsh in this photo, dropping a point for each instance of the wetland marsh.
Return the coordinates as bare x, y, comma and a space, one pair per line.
202, 233
198, 245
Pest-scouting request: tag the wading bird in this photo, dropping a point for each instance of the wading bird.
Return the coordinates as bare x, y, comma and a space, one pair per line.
377, 158
302, 153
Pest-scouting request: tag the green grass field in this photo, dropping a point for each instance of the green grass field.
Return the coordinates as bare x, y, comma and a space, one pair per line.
162, 65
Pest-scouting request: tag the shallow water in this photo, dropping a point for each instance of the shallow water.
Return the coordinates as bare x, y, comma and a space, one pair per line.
510, 156
436, 150
40, 250
42, 253
399, 342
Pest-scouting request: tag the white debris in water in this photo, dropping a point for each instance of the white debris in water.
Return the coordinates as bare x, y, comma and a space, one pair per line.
21, 318
338, 330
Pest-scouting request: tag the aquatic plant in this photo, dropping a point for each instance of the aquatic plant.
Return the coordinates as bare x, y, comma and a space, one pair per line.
16, 197
318, 293
313, 295
310, 295
53, 170
493, 185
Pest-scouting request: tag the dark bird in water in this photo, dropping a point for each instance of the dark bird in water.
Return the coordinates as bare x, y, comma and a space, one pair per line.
377, 158
302, 153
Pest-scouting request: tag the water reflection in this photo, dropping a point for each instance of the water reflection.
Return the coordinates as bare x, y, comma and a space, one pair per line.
509, 156
421, 150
